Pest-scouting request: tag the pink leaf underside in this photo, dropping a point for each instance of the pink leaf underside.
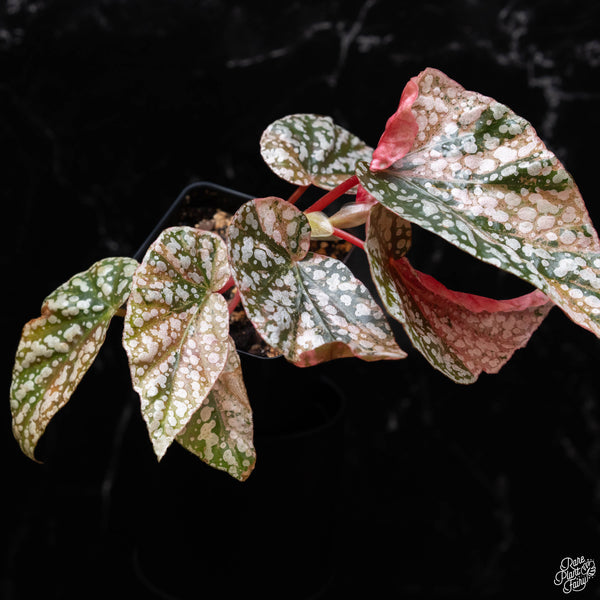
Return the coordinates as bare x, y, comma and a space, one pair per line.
482, 332
460, 334
400, 131
363, 197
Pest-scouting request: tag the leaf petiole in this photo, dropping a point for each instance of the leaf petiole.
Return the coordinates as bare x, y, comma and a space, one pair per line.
333, 195
232, 304
230, 283
349, 238
297, 194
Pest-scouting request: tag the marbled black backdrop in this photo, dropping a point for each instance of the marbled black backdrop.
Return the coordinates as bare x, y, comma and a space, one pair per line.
109, 107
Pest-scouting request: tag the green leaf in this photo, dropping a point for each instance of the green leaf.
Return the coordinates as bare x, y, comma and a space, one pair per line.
57, 348
177, 328
220, 432
307, 149
479, 177
460, 334
310, 307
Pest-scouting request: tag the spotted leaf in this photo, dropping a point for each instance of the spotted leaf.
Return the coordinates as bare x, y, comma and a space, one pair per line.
307, 149
400, 131
220, 431
478, 176
460, 334
176, 328
57, 348
310, 307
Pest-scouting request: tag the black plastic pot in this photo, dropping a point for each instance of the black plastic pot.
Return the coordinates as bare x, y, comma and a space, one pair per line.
202, 533
195, 196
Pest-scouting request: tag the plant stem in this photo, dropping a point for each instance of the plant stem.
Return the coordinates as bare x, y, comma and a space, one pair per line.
349, 238
296, 195
234, 302
334, 194
230, 283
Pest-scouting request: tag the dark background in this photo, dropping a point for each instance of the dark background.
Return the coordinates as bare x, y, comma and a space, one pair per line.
108, 108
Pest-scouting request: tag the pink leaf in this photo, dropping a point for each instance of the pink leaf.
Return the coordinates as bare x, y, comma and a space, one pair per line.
400, 131
460, 334
482, 333
478, 176
363, 197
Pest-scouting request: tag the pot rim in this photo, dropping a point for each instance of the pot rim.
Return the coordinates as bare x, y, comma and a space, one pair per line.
176, 205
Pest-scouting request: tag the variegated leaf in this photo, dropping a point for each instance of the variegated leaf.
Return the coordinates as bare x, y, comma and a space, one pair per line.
307, 149
400, 131
220, 432
57, 348
460, 334
176, 328
362, 196
310, 307
478, 176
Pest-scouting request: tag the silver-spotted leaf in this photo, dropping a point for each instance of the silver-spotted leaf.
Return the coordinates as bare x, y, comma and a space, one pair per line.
310, 307
400, 131
177, 328
307, 149
221, 432
57, 348
479, 176
460, 334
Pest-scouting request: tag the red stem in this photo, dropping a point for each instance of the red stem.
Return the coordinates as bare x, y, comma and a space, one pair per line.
334, 194
349, 238
234, 302
296, 195
230, 283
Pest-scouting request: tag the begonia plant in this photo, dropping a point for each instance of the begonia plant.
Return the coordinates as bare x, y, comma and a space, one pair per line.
454, 162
